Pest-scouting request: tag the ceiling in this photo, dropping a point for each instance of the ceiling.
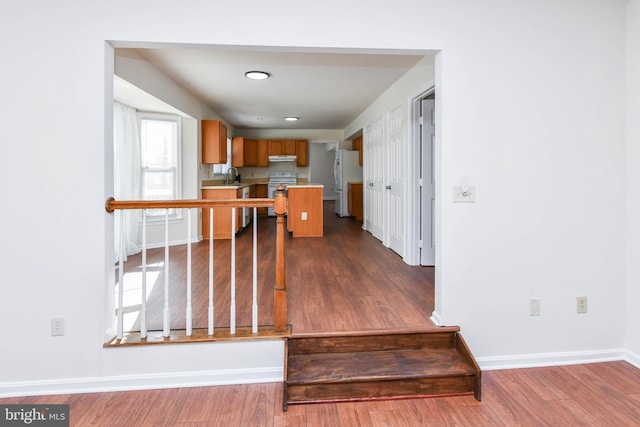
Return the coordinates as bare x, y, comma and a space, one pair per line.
326, 90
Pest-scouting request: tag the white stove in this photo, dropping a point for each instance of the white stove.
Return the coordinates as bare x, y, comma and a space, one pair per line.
277, 178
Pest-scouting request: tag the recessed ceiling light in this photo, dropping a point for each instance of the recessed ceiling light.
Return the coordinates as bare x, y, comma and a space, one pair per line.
291, 119
257, 75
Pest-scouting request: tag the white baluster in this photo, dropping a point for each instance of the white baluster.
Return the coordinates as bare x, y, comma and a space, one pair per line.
143, 308
254, 311
232, 308
189, 319
120, 312
211, 271
166, 328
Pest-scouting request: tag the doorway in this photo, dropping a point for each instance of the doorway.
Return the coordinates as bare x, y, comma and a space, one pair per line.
424, 123
321, 158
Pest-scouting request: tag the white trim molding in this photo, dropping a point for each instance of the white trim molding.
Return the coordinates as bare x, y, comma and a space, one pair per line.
550, 359
632, 358
142, 382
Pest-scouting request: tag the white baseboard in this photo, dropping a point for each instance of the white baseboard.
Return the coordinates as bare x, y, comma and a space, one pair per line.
142, 382
632, 358
550, 359
435, 318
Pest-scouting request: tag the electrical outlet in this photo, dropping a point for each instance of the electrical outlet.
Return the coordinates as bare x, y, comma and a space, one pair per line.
57, 326
304, 216
581, 303
534, 307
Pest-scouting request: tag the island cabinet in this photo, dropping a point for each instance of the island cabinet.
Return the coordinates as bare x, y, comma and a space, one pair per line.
214, 142
302, 152
304, 210
221, 216
354, 199
244, 152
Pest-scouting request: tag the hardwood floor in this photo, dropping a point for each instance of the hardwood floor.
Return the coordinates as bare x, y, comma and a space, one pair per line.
346, 280
601, 394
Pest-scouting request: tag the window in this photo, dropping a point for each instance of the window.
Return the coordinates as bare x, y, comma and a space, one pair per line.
160, 160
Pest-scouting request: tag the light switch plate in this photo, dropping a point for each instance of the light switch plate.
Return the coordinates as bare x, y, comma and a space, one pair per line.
458, 197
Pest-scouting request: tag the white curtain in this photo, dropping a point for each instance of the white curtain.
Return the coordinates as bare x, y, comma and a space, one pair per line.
126, 143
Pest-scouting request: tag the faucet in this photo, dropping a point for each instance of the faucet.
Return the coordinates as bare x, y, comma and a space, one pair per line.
234, 175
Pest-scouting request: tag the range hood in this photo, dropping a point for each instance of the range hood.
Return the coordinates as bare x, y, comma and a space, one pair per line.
282, 158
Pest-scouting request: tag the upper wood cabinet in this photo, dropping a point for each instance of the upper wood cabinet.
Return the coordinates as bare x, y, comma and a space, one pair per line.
275, 147
302, 152
244, 152
289, 147
263, 153
357, 144
214, 142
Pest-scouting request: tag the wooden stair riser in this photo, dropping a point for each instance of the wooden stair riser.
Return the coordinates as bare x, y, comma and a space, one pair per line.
355, 344
360, 366
366, 390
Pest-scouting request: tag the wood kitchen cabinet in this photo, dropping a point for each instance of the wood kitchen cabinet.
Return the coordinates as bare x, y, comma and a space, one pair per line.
354, 199
357, 144
214, 142
260, 191
263, 153
304, 210
221, 216
289, 147
275, 147
302, 152
244, 152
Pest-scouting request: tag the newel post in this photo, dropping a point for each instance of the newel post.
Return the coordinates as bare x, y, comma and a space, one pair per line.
280, 292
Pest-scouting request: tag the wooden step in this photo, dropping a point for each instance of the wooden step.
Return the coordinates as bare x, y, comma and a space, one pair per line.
369, 365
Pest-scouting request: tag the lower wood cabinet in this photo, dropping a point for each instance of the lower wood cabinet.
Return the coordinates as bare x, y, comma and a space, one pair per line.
260, 191
221, 216
304, 211
354, 199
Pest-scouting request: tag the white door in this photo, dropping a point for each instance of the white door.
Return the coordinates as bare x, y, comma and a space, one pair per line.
428, 194
395, 186
374, 178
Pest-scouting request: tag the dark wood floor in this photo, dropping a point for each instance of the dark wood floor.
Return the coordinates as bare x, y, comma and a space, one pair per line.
602, 394
346, 280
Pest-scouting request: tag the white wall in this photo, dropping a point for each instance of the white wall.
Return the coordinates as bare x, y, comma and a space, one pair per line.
632, 156
525, 115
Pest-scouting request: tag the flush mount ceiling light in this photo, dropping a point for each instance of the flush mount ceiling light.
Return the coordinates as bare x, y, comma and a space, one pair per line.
292, 119
257, 75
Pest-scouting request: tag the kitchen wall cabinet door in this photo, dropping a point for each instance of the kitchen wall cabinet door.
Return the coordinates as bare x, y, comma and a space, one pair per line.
263, 153
357, 145
289, 147
302, 152
244, 152
214, 142
275, 147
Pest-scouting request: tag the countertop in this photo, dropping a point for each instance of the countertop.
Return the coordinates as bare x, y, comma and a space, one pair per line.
235, 185
311, 185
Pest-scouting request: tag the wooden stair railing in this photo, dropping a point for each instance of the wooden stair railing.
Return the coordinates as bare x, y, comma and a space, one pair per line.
279, 203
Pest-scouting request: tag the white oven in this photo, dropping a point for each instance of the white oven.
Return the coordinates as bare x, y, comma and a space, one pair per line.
277, 178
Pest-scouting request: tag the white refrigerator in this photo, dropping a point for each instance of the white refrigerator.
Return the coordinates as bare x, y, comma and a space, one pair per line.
345, 169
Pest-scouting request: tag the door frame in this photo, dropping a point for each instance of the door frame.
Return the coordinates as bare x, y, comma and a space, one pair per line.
413, 192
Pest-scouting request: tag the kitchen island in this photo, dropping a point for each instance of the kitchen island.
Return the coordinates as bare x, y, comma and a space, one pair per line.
304, 210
